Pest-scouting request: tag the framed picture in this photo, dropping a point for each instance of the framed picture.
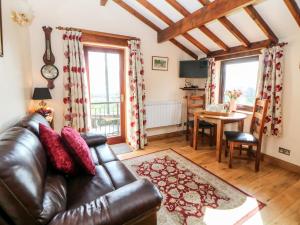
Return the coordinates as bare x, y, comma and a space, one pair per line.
160, 63
1, 36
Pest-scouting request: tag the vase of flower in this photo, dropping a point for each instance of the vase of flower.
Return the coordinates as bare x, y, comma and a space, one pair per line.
233, 95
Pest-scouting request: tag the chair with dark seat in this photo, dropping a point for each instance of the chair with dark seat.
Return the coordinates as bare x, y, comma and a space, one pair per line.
236, 139
196, 102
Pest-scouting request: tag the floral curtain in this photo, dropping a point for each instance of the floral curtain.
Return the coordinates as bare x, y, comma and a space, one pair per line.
271, 87
211, 82
76, 97
137, 114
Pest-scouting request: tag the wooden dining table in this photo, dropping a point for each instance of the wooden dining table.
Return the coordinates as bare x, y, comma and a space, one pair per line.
219, 121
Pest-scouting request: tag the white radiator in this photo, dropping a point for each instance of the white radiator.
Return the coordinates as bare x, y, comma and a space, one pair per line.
161, 114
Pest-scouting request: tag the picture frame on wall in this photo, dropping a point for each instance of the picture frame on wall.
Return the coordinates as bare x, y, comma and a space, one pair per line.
160, 63
1, 32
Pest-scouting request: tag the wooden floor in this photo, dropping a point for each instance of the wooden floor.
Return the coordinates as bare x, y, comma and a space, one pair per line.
278, 188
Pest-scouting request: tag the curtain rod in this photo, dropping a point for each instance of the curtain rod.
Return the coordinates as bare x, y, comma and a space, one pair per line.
97, 33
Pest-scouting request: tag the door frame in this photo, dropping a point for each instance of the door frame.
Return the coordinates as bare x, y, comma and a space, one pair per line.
121, 52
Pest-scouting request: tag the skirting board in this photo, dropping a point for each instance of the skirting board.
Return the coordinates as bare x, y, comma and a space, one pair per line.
167, 135
282, 164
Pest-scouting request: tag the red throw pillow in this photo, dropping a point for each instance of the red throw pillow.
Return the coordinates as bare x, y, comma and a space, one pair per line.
79, 149
59, 157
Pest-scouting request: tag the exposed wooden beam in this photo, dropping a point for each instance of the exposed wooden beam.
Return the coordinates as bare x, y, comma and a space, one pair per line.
235, 31
203, 28
214, 37
208, 13
103, 2
261, 23
294, 9
238, 55
153, 26
183, 48
168, 21
239, 49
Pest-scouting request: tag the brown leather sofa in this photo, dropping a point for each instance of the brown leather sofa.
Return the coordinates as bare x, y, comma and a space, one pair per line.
32, 193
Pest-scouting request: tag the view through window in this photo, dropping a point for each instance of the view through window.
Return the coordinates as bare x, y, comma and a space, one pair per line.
240, 74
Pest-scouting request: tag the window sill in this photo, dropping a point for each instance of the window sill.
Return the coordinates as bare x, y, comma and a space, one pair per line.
245, 112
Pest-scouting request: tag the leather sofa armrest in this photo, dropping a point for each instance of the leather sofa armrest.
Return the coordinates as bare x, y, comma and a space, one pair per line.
117, 207
94, 139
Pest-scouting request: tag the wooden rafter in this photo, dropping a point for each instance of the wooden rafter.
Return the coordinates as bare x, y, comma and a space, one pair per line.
103, 2
239, 49
203, 28
294, 9
233, 30
208, 13
261, 23
168, 21
153, 26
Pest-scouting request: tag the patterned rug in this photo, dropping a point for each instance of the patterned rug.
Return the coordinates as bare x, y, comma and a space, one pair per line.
193, 195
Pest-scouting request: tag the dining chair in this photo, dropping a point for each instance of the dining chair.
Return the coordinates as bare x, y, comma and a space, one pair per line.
236, 140
194, 103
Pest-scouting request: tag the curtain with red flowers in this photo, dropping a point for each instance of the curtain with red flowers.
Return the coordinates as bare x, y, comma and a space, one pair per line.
76, 98
211, 82
271, 87
137, 113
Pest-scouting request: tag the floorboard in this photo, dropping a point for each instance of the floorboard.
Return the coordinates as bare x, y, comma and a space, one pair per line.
278, 188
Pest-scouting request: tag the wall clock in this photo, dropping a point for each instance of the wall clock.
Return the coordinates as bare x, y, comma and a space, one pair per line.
49, 71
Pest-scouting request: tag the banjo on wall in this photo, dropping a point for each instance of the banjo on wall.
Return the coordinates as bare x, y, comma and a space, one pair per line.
49, 71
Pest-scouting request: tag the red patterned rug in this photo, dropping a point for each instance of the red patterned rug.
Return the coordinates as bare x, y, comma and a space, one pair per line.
193, 195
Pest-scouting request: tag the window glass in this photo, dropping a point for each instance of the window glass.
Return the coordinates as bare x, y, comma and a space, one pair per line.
241, 74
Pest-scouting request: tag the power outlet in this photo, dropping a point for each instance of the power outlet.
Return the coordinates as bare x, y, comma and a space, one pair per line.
284, 151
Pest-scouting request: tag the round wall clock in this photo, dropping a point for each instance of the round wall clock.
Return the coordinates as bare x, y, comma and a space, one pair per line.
49, 71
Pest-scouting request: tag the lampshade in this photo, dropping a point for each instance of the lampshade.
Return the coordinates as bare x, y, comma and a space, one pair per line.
41, 94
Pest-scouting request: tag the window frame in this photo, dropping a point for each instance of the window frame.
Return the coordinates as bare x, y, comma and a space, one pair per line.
223, 78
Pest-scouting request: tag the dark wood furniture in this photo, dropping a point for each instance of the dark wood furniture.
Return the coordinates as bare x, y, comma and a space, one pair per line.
197, 102
236, 140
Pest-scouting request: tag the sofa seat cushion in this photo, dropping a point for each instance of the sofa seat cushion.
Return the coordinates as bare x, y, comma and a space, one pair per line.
119, 174
83, 189
79, 149
57, 152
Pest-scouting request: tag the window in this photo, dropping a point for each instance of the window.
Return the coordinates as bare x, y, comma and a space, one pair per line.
240, 74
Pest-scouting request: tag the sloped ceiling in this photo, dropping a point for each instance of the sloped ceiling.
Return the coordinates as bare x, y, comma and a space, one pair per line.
274, 12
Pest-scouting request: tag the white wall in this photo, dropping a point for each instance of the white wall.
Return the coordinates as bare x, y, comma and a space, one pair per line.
15, 73
160, 85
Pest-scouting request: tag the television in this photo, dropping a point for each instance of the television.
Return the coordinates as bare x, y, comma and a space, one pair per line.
193, 69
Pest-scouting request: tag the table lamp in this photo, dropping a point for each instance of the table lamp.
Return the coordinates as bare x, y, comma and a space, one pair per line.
41, 94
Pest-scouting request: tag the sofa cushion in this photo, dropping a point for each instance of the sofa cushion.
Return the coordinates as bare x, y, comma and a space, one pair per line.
57, 152
83, 189
24, 189
102, 154
79, 149
31, 122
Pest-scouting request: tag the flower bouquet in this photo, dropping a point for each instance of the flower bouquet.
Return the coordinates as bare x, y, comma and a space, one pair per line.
233, 95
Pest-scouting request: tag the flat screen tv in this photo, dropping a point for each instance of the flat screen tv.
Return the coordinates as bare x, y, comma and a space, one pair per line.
193, 69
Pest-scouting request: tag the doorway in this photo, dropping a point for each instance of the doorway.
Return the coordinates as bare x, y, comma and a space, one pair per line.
105, 69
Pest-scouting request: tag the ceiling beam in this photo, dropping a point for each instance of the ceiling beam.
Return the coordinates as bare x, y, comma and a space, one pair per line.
261, 23
103, 2
294, 9
233, 30
168, 21
203, 28
153, 26
208, 13
239, 49
239, 55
